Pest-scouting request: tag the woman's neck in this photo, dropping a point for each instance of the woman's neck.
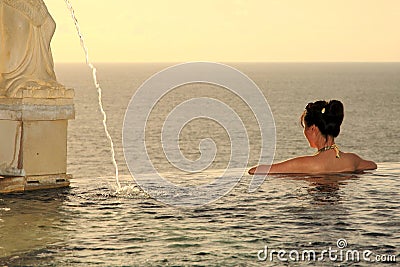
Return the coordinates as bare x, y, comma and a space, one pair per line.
323, 141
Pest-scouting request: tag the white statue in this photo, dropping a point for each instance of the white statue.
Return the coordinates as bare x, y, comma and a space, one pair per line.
26, 63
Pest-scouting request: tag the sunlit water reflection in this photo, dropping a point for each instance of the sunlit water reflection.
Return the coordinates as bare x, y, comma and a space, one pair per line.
89, 223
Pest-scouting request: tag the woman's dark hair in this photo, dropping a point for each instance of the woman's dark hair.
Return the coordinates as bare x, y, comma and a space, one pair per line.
327, 116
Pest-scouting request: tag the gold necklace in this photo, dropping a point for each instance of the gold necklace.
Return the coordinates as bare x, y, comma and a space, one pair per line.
334, 146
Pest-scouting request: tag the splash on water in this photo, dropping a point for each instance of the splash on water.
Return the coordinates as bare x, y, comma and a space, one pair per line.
130, 191
99, 92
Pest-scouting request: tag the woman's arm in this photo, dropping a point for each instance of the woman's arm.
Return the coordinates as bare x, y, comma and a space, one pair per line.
364, 165
295, 165
361, 164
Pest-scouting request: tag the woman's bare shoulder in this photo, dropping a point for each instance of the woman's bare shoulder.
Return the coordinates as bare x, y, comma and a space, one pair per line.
303, 164
349, 155
360, 164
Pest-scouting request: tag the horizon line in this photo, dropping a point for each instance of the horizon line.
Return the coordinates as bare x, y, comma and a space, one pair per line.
230, 62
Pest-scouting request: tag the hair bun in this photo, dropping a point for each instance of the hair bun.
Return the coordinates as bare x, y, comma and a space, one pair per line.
335, 108
327, 116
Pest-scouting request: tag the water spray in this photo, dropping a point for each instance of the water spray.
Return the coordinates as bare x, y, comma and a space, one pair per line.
99, 91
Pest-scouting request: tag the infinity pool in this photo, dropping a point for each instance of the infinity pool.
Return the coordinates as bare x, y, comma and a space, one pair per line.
88, 225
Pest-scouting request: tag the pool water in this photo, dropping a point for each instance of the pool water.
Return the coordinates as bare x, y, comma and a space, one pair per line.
90, 224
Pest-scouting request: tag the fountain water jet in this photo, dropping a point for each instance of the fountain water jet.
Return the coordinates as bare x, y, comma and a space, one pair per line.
99, 91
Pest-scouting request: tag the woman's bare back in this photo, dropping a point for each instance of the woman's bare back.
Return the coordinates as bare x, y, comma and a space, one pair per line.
325, 162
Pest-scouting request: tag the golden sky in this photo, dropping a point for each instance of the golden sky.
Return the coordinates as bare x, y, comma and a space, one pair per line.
228, 30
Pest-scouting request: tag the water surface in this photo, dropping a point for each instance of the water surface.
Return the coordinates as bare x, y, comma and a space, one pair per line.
88, 224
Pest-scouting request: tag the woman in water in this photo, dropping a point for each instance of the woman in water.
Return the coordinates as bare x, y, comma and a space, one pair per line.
321, 121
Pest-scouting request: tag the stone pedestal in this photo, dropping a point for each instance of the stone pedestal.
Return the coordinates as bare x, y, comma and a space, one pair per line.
33, 140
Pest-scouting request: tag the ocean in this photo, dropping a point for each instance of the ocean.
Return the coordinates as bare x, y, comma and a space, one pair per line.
89, 224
